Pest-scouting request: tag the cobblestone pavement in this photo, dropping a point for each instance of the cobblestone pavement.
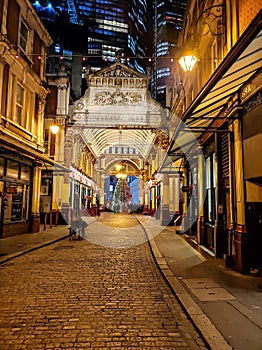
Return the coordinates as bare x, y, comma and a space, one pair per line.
78, 295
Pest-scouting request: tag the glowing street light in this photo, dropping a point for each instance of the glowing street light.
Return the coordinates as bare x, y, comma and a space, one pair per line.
54, 129
187, 62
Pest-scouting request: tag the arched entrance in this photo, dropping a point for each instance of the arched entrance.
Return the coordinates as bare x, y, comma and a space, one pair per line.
116, 120
122, 186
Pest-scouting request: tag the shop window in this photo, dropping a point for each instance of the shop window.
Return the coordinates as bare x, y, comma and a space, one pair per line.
12, 169
25, 172
211, 189
2, 166
17, 203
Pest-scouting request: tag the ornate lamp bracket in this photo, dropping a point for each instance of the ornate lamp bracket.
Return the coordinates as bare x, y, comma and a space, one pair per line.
212, 20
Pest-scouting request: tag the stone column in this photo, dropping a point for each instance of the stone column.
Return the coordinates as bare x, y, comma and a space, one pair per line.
61, 99
35, 212
176, 193
66, 209
153, 199
141, 192
172, 194
40, 119
165, 214
102, 186
146, 200
239, 244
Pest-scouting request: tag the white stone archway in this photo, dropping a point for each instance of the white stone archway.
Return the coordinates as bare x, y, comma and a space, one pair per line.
117, 112
118, 99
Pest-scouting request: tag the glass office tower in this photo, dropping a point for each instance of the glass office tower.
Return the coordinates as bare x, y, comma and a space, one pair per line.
168, 16
100, 29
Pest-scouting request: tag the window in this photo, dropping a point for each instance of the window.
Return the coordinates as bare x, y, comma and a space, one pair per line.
23, 40
2, 166
25, 172
12, 169
68, 54
57, 48
19, 104
17, 204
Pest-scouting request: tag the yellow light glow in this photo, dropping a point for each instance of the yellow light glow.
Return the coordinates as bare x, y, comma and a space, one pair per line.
187, 62
121, 176
54, 129
119, 167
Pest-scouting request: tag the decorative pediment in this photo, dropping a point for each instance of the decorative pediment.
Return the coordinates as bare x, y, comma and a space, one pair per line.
118, 70
118, 75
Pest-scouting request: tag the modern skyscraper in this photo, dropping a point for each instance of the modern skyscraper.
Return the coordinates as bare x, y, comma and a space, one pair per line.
101, 30
168, 16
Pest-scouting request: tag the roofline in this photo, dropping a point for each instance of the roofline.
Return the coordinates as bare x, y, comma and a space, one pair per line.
122, 65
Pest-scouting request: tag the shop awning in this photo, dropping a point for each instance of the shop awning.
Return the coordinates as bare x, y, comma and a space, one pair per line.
34, 155
241, 63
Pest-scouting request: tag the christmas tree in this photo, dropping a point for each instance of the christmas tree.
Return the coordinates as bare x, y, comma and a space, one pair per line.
122, 199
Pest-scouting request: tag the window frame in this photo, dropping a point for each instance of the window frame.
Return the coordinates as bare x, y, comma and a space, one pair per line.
24, 47
19, 104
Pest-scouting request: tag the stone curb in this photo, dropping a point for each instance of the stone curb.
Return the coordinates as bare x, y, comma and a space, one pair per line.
22, 252
41, 245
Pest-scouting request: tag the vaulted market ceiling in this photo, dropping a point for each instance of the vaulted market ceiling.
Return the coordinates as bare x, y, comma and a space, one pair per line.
118, 110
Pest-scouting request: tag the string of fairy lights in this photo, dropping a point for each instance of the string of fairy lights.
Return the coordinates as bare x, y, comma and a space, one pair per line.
87, 57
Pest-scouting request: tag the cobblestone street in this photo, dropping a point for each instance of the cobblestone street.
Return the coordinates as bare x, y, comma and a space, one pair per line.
78, 295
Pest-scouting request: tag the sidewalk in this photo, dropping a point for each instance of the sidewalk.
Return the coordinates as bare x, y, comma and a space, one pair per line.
11, 247
224, 305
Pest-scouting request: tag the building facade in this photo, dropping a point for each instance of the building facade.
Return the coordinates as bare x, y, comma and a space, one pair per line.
219, 102
23, 91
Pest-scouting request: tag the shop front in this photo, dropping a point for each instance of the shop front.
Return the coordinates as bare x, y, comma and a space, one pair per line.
223, 121
15, 194
251, 246
82, 195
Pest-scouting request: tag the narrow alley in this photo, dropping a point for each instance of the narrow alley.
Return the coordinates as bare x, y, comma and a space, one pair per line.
79, 295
